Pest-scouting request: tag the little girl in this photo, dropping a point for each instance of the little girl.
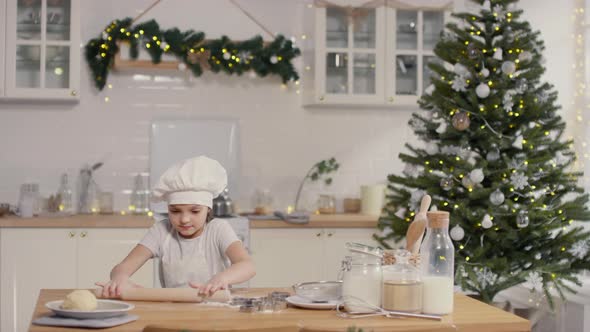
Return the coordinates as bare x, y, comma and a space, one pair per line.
195, 249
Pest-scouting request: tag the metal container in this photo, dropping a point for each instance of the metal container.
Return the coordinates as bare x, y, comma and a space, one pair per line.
223, 205
319, 291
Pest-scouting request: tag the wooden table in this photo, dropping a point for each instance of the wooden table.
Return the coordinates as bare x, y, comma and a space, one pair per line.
469, 315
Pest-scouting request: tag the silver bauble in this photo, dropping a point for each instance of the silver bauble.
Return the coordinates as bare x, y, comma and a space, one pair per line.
457, 233
482, 90
497, 197
522, 219
508, 67
493, 154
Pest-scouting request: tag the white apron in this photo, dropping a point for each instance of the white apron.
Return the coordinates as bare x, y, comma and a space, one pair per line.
191, 267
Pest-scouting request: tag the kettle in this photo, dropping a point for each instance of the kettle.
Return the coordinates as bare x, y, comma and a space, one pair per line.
223, 205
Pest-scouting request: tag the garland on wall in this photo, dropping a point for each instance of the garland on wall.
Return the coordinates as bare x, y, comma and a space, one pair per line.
192, 50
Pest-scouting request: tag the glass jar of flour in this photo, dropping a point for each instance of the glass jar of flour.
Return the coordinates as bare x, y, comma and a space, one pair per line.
361, 279
402, 287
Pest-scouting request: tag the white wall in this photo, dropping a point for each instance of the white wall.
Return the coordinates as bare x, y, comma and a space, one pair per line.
280, 139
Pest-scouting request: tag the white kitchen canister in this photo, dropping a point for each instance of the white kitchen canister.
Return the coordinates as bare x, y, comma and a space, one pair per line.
361, 285
372, 199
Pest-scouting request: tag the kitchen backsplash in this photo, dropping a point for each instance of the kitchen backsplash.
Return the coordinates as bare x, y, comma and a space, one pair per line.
280, 140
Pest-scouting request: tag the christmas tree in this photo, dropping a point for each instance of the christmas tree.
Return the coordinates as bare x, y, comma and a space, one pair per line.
494, 156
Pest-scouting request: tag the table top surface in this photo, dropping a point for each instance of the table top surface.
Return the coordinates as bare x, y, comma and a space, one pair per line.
469, 315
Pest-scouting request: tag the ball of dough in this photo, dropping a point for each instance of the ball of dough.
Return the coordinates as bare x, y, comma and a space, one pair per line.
80, 299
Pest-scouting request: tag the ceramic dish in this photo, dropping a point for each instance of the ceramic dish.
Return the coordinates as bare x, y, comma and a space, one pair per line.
302, 302
105, 309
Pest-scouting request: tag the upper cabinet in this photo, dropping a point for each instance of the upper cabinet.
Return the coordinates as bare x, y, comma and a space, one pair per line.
42, 50
374, 56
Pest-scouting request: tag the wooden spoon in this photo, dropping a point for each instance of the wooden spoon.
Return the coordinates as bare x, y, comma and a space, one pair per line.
417, 227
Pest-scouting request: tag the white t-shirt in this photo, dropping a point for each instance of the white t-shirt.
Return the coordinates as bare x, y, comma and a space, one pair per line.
217, 236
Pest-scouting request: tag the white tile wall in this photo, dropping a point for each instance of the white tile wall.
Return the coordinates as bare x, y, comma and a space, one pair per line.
280, 139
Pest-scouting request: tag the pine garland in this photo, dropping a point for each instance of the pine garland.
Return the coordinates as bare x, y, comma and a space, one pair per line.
189, 47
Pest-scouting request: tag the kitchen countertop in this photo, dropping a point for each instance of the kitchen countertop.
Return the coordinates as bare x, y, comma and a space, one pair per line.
142, 221
468, 315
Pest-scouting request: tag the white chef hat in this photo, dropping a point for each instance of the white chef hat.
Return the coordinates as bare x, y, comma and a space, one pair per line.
193, 181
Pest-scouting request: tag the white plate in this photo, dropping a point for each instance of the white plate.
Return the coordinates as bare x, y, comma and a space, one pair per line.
305, 303
105, 309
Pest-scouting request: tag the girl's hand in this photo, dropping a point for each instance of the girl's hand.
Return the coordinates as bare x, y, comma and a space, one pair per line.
216, 283
115, 287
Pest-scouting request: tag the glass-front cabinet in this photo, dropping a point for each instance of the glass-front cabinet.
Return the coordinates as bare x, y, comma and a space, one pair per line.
370, 56
42, 49
348, 52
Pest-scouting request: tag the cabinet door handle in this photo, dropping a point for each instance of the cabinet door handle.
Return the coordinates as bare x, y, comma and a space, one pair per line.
72, 234
73, 93
330, 234
83, 234
391, 99
319, 234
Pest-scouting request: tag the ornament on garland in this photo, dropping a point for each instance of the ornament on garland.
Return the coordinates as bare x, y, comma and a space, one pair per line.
192, 50
487, 221
522, 219
460, 84
461, 121
457, 233
482, 90
497, 197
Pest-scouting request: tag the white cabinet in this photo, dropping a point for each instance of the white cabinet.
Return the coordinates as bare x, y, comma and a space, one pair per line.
286, 256
42, 49
35, 258
369, 56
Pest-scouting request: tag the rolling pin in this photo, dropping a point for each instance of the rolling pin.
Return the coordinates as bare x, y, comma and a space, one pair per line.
417, 227
168, 295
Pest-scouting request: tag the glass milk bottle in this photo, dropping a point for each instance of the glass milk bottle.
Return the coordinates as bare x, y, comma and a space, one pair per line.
362, 278
437, 256
402, 287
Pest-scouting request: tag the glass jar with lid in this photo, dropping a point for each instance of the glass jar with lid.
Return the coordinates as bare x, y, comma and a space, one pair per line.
362, 278
402, 287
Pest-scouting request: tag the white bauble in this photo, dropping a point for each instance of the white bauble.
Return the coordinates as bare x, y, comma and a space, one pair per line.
525, 56
508, 67
482, 90
498, 54
487, 222
485, 72
497, 197
457, 233
476, 175
226, 56
274, 59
